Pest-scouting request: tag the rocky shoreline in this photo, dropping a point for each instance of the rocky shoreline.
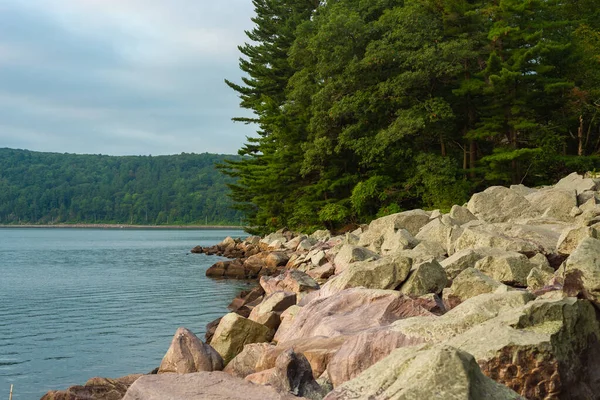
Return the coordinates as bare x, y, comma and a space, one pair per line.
497, 299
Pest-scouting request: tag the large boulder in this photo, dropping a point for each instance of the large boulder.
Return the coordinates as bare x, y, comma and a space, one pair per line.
292, 374
460, 261
318, 350
244, 364
235, 331
577, 183
461, 215
365, 349
350, 311
437, 231
440, 372
500, 204
95, 389
395, 241
290, 281
547, 349
386, 273
275, 302
426, 277
188, 354
554, 203
572, 237
489, 236
412, 221
200, 386
349, 254
359, 352
469, 283
582, 271
508, 267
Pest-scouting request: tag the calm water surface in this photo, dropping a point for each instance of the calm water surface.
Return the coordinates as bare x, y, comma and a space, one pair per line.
78, 303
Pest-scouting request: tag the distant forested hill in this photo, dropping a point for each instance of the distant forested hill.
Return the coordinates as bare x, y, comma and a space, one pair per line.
70, 188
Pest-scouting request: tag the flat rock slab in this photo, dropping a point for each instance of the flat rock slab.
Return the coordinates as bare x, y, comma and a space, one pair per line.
200, 386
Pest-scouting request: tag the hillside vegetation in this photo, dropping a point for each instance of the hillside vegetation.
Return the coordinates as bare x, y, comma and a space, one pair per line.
369, 107
68, 188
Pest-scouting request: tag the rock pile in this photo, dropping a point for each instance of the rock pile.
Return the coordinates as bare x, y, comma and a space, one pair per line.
497, 299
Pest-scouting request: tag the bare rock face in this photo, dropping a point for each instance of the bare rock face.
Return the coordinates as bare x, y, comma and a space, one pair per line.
426, 277
95, 389
440, 372
188, 354
200, 386
235, 331
349, 312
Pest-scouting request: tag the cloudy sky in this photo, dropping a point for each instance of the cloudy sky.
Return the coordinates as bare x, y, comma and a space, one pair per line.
121, 76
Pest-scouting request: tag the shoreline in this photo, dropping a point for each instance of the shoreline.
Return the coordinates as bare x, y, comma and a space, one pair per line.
124, 226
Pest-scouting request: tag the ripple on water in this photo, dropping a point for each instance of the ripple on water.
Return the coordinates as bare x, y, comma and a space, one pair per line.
84, 303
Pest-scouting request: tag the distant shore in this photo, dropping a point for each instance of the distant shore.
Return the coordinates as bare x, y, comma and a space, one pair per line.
125, 226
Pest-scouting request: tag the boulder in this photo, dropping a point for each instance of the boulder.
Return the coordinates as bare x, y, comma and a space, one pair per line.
95, 389
255, 264
437, 231
349, 254
287, 317
538, 279
522, 189
469, 283
359, 352
582, 271
577, 183
571, 238
322, 273
554, 203
461, 215
188, 354
290, 281
244, 364
348, 312
276, 259
321, 235
424, 251
277, 301
541, 262
293, 374
386, 273
426, 277
547, 349
460, 261
412, 221
421, 372
393, 242
470, 313
234, 332
318, 350
500, 204
200, 386
510, 268
480, 236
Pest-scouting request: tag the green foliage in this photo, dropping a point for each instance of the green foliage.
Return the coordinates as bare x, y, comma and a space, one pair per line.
369, 107
68, 188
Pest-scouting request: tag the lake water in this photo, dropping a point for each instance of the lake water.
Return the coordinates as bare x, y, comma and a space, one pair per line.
79, 303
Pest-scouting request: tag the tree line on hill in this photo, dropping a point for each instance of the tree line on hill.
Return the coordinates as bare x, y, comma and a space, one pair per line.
47, 188
369, 107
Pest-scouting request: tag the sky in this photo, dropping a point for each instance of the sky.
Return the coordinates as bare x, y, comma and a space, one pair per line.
122, 77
